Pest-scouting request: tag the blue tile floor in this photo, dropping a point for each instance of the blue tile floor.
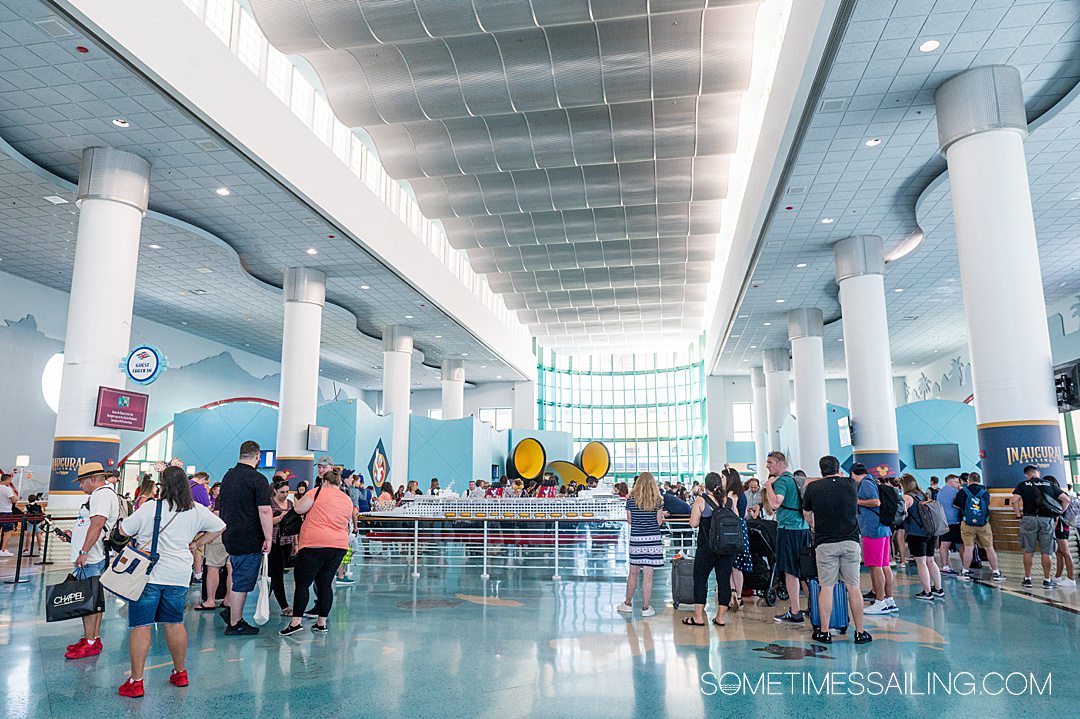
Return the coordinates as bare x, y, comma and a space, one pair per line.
521, 645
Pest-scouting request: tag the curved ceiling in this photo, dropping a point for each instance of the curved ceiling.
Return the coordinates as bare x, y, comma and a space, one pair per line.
577, 151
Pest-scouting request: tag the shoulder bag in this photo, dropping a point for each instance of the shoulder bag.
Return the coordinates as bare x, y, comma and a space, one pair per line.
128, 574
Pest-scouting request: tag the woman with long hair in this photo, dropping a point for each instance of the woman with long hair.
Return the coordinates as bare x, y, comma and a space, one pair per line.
920, 545
733, 490
324, 539
644, 514
147, 490
281, 546
622, 490
184, 526
712, 500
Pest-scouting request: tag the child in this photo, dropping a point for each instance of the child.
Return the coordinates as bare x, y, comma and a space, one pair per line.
33, 509
644, 514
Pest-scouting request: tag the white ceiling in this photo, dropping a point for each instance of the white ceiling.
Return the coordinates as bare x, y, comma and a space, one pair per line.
54, 101
880, 85
577, 151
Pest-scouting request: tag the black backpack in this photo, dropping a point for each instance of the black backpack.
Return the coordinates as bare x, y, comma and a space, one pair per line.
725, 530
892, 512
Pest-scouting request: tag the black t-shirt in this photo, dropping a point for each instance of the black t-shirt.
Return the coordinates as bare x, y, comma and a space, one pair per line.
243, 491
834, 502
1030, 487
961, 498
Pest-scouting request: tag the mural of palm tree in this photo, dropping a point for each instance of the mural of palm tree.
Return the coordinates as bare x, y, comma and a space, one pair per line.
959, 367
1076, 308
922, 386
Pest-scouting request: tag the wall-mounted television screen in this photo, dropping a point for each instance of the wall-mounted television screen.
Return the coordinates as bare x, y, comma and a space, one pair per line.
936, 456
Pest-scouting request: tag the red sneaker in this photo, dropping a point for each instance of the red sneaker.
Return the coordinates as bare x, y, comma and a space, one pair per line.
178, 678
76, 645
88, 649
131, 688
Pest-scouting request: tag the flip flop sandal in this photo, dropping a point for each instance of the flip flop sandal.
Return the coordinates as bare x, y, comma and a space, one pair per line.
689, 621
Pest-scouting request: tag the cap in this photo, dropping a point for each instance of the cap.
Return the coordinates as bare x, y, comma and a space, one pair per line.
346, 473
326, 459
90, 469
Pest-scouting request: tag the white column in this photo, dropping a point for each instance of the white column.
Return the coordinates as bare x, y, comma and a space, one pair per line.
777, 366
304, 296
760, 419
112, 199
860, 270
805, 328
524, 405
982, 126
453, 389
397, 386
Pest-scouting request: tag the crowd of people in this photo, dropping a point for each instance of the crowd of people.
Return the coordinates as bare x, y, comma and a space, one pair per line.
844, 522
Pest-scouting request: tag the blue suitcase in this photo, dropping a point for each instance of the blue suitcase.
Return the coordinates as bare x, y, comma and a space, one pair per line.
839, 618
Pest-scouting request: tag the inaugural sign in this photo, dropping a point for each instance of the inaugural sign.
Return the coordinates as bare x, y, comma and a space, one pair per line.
1005, 448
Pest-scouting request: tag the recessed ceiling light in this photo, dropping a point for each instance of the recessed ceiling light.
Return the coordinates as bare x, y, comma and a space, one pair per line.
498, 376
204, 270
873, 142
154, 247
780, 302
898, 290
483, 366
839, 339
223, 192
743, 317
464, 354
767, 324
121, 122
1062, 284
734, 336
827, 220
56, 200
746, 360
929, 46
438, 337
312, 251
801, 265
364, 287
408, 317
182, 322
753, 347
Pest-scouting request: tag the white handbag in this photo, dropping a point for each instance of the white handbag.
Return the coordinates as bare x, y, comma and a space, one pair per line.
262, 607
127, 575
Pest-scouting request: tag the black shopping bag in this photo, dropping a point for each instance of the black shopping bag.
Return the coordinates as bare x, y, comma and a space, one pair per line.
73, 598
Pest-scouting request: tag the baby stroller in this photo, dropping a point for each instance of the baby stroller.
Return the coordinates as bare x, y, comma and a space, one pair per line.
764, 579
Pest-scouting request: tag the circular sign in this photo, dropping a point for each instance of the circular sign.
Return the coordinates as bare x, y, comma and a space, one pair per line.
144, 364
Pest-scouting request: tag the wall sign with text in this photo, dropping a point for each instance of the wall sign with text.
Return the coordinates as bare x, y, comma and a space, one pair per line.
144, 364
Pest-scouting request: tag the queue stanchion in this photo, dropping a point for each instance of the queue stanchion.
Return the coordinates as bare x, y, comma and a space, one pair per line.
45, 546
18, 556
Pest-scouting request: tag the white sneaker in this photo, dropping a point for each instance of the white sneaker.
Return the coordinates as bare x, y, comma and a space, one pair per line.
878, 607
648, 612
1066, 582
891, 605
624, 609
5, 553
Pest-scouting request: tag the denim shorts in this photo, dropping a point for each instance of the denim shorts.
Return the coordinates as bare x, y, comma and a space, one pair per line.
159, 604
95, 569
245, 571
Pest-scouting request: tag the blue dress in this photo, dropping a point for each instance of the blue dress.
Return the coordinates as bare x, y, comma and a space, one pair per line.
646, 549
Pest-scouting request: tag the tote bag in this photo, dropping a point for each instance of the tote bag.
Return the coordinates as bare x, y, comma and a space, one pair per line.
128, 574
73, 598
262, 607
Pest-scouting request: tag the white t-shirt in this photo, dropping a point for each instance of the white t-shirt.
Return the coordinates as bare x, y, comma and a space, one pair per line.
7, 498
174, 563
102, 502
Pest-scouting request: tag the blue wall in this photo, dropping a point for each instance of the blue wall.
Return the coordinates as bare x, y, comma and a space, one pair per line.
442, 449
937, 421
210, 439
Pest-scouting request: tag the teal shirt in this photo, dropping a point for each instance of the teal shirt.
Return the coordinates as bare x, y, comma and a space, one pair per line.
789, 515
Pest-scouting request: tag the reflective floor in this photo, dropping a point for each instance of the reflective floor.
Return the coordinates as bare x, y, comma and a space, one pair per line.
521, 645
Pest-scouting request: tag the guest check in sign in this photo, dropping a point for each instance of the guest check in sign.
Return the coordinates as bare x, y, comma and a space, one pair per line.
119, 409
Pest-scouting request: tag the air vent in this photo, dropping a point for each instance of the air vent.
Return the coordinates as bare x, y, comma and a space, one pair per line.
832, 105
208, 144
312, 222
52, 27
56, 200
796, 189
911, 317
198, 292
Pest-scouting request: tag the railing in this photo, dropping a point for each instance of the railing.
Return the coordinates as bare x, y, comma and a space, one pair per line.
237, 28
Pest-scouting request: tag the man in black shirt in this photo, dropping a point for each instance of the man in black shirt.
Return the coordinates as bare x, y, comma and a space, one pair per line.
831, 506
1037, 522
244, 505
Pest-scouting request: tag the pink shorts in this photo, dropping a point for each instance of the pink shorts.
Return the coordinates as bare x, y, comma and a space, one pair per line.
875, 552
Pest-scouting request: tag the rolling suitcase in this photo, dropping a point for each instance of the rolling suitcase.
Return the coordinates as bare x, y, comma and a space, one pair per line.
682, 581
839, 618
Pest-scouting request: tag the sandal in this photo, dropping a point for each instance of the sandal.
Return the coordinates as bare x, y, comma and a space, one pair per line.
689, 621
204, 608
719, 624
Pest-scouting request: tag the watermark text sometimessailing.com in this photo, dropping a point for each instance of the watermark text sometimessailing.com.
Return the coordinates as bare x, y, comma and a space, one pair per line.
1018, 684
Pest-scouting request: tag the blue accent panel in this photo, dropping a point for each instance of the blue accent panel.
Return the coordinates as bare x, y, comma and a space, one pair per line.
371, 429
442, 449
68, 454
210, 439
489, 447
835, 413
340, 418
741, 452
937, 421
558, 445
1007, 450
